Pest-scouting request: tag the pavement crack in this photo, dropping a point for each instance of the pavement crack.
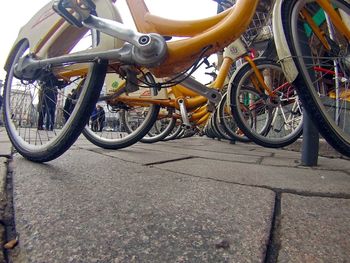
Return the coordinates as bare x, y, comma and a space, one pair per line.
274, 244
8, 217
170, 161
274, 189
146, 164
312, 194
107, 155
259, 160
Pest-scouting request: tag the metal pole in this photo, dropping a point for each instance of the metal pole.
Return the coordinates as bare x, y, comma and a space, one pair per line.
310, 144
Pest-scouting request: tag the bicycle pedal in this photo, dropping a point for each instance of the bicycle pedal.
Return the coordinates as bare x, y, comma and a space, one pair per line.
81, 8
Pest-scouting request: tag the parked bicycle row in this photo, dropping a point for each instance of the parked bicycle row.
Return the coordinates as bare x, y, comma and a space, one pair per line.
125, 87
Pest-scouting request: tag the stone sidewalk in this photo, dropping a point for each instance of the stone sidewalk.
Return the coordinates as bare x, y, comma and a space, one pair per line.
190, 200
5, 156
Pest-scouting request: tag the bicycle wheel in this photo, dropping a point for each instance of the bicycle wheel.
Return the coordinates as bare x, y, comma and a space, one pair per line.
218, 127
135, 121
161, 128
209, 131
268, 121
323, 79
175, 132
214, 128
37, 122
228, 123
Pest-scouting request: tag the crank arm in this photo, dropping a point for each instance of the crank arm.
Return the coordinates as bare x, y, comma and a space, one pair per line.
83, 13
212, 95
184, 115
118, 30
30, 68
149, 46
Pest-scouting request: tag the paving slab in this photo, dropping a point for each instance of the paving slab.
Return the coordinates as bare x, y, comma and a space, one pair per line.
288, 178
314, 229
215, 147
3, 175
163, 151
234, 157
132, 154
333, 163
324, 149
282, 153
89, 207
281, 161
287, 159
5, 145
3, 202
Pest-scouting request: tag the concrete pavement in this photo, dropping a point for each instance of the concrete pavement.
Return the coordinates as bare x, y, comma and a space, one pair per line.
190, 200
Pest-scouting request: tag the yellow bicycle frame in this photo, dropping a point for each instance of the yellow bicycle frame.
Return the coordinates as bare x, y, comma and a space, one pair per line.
216, 32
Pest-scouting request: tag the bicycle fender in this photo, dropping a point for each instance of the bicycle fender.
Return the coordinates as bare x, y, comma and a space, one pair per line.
283, 51
48, 34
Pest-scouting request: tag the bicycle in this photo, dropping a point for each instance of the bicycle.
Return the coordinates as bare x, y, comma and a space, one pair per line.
189, 100
317, 38
50, 60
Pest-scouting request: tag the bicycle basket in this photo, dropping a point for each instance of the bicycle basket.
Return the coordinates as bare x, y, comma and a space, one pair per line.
260, 29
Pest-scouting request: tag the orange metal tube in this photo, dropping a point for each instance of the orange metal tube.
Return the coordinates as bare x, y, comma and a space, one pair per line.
146, 22
258, 75
138, 10
195, 102
143, 101
255, 82
335, 18
182, 53
223, 72
319, 33
184, 91
199, 114
203, 119
168, 27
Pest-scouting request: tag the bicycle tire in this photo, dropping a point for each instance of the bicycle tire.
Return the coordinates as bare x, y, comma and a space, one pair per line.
29, 137
130, 136
217, 127
330, 119
181, 134
213, 129
159, 134
174, 133
267, 124
228, 123
209, 131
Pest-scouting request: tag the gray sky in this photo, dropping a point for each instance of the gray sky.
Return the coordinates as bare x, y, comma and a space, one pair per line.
14, 14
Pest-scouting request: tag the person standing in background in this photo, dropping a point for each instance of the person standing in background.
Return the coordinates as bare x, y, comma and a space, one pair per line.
69, 104
93, 118
101, 117
50, 101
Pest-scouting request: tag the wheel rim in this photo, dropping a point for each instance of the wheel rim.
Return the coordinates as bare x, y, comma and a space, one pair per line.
24, 107
272, 122
334, 106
